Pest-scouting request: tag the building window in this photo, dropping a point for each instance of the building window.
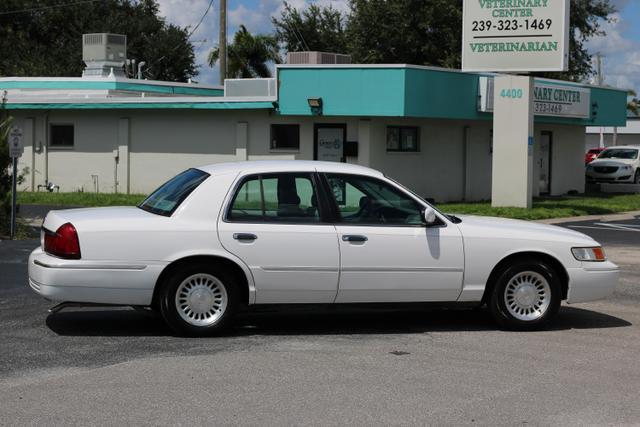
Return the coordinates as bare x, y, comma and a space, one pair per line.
403, 139
61, 136
285, 137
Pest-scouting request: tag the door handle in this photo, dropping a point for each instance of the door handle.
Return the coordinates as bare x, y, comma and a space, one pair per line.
244, 236
353, 238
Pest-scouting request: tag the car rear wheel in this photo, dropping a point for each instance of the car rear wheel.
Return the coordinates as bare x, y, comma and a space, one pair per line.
526, 296
198, 300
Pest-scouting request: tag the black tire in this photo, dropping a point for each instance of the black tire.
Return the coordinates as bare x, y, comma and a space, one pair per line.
505, 316
636, 178
174, 319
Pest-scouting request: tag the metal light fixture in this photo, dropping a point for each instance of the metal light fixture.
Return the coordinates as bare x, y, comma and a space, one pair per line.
316, 105
315, 102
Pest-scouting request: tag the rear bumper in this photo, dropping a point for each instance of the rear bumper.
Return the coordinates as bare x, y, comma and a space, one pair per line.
592, 282
90, 281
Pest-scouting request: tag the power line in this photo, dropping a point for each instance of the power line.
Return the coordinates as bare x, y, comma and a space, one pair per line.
204, 15
206, 12
56, 6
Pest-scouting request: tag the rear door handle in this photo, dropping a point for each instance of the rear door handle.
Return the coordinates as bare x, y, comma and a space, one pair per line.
354, 238
244, 236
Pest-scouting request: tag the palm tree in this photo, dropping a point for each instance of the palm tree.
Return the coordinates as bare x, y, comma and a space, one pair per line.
248, 55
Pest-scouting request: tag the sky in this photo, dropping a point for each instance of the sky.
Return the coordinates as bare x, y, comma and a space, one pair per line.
254, 14
620, 48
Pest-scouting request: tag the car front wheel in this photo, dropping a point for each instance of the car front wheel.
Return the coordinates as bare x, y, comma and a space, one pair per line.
636, 178
526, 296
198, 300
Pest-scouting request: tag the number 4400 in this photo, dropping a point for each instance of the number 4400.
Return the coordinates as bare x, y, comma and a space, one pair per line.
511, 93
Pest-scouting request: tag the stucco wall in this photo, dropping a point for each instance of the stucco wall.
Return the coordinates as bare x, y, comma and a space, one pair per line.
454, 161
436, 171
567, 167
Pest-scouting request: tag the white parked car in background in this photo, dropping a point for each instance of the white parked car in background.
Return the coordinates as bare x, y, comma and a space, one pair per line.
218, 239
619, 164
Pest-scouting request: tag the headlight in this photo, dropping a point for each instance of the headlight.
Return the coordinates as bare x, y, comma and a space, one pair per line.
589, 254
626, 168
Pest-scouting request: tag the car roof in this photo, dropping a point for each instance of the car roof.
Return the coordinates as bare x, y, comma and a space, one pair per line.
634, 147
267, 166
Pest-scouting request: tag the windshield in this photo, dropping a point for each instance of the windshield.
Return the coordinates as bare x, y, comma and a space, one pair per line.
619, 153
166, 199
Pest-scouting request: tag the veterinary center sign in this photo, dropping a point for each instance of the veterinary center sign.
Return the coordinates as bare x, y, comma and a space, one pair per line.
549, 100
515, 35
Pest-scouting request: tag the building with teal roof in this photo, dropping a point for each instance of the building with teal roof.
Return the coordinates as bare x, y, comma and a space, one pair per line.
429, 128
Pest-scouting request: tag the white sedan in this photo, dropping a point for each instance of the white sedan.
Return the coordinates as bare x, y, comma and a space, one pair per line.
619, 164
215, 240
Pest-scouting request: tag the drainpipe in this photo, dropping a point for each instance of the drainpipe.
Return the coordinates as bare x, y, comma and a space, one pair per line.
465, 163
46, 147
116, 157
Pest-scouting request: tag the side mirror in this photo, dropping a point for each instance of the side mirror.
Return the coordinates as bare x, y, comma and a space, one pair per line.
429, 216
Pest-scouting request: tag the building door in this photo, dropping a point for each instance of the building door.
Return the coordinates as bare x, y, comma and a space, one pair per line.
544, 162
329, 142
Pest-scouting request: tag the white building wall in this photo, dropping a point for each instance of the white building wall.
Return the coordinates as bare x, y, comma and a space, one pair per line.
567, 166
454, 161
436, 171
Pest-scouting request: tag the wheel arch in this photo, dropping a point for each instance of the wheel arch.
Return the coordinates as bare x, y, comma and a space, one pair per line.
552, 261
246, 283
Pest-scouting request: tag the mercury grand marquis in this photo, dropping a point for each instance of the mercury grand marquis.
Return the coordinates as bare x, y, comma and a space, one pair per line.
219, 239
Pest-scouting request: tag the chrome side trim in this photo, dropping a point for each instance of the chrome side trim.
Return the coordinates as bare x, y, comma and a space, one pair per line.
90, 266
402, 269
277, 268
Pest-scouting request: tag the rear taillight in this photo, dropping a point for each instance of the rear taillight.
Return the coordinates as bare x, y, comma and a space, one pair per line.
63, 243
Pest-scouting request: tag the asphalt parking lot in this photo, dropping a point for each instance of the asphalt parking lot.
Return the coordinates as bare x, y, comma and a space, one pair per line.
332, 367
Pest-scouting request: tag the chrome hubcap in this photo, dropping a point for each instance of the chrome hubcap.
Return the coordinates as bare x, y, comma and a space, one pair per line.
201, 299
527, 296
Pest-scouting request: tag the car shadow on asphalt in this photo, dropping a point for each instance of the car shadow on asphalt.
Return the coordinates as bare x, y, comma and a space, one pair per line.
125, 322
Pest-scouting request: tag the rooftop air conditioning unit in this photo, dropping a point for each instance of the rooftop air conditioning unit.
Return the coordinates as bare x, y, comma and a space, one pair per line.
317, 58
103, 52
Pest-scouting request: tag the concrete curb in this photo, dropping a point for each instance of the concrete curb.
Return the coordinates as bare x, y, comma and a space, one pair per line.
623, 216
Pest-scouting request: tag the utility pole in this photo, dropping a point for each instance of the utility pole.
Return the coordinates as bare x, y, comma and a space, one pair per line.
222, 44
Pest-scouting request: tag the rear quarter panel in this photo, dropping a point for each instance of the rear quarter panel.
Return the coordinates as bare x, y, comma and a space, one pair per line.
139, 236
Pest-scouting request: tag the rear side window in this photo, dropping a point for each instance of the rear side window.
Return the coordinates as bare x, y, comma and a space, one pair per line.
166, 199
288, 197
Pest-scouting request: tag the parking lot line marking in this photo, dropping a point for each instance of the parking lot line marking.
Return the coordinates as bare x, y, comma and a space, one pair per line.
617, 226
597, 228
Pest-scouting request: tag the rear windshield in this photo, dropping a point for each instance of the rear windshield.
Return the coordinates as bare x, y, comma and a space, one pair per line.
166, 199
619, 153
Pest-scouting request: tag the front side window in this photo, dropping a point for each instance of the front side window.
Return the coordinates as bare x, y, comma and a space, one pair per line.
287, 197
619, 153
166, 199
61, 136
363, 200
285, 137
402, 138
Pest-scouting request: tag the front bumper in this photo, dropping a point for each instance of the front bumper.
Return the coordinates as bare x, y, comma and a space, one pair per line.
621, 175
92, 282
592, 281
